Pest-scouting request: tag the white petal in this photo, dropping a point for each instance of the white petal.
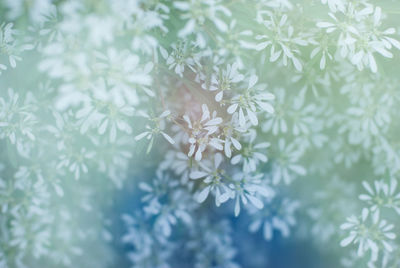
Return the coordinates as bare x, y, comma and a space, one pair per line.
227, 149
217, 160
345, 242
252, 117
197, 174
253, 80
267, 231
232, 108
223, 197
168, 138
219, 96
198, 155
236, 159
255, 201
165, 113
266, 107
372, 63
236, 144
215, 121
202, 196
142, 135
237, 207
242, 120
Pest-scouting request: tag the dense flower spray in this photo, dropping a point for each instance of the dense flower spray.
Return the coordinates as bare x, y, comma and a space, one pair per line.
157, 134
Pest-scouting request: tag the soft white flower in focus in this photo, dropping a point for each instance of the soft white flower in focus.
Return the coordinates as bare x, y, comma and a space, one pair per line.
182, 55
200, 133
249, 101
225, 80
231, 134
281, 39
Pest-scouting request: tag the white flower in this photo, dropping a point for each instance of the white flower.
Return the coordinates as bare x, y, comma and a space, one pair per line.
105, 114
347, 34
123, 72
196, 12
17, 120
277, 122
231, 137
381, 195
157, 128
245, 188
179, 163
234, 43
278, 214
360, 40
371, 235
292, 115
323, 49
200, 133
181, 56
282, 44
225, 80
334, 5
368, 118
249, 101
76, 162
250, 156
215, 180
285, 166
9, 45
167, 211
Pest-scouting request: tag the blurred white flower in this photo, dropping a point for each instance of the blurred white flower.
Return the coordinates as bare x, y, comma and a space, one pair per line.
246, 187
374, 234
157, 128
278, 214
382, 194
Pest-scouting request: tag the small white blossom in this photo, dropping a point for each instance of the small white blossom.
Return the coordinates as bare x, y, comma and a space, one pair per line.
215, 180
278, 215
374, 234
200, 133
157, 128
246, 188
250, 156
225, 80
249, 101
382, 194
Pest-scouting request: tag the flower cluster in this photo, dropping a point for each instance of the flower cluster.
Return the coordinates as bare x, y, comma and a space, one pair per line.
171, 131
